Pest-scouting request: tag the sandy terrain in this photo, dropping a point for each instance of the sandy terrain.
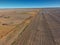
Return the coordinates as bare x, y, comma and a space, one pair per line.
9, 18
43, 30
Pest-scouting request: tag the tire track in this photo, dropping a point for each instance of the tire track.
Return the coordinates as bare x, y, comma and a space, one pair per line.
54, 26
46, 35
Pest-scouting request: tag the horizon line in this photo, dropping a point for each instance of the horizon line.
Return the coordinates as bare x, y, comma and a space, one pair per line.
27, 7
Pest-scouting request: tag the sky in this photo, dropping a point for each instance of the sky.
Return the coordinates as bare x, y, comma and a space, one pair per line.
29, 3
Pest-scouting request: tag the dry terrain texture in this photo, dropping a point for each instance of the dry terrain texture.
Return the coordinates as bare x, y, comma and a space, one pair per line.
44, 29
10, 18
38, 27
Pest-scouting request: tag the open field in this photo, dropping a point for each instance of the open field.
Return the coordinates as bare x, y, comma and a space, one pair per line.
10, 18
30, 26
43, 30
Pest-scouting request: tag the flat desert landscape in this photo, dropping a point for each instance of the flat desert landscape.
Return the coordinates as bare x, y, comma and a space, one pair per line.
30, 26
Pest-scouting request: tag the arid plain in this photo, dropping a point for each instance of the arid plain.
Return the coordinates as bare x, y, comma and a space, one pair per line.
30, 26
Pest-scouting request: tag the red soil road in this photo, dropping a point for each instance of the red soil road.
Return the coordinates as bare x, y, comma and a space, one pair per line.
43, 30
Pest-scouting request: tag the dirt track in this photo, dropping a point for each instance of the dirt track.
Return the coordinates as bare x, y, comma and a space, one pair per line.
43, 30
